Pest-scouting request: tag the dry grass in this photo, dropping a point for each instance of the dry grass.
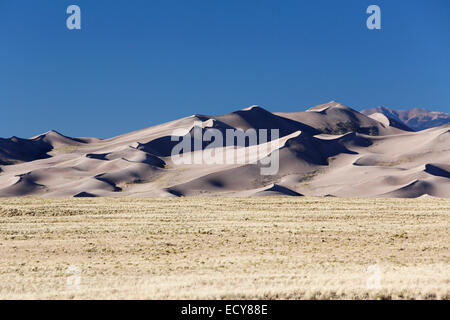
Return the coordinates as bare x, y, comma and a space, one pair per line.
294, 248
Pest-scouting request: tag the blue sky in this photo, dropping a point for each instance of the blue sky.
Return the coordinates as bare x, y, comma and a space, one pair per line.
139, 63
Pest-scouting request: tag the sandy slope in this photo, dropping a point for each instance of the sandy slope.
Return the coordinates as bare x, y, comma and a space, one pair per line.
329, 150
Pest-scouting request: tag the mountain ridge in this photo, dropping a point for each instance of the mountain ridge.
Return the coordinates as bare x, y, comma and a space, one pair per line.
416, 118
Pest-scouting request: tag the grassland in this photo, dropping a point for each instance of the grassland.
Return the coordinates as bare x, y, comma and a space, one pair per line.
274, 248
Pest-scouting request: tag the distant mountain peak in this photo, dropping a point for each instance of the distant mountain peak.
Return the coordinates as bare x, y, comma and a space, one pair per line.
416, 118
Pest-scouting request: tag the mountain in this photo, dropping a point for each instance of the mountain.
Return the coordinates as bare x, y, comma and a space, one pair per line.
327, 150
417, 119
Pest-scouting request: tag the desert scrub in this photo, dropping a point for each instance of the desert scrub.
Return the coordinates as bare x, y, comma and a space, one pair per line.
224, 248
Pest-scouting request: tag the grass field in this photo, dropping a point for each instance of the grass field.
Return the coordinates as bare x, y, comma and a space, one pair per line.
269, 248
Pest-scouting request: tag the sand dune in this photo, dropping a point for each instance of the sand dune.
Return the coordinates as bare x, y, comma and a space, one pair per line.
24, 185
335, 118
275, 190
56, 139
389, 122
16, 150
328, 150
258, 118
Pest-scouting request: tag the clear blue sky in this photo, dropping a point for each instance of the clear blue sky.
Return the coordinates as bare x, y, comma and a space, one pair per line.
139, 63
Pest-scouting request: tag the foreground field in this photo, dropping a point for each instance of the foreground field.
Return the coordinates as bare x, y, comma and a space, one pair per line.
269, 248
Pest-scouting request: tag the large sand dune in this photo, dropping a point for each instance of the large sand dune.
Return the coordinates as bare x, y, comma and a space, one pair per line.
328, 150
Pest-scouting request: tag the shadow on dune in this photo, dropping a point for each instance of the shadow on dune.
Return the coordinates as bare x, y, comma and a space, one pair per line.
437, 170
